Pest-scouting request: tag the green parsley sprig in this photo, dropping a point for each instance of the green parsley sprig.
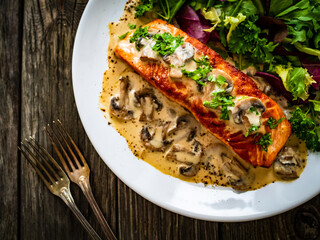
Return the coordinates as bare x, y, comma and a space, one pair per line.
306, 128
220, 80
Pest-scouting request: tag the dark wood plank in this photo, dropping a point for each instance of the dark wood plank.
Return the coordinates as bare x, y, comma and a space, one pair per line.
48, 33
10, 61
302, 222
140, 219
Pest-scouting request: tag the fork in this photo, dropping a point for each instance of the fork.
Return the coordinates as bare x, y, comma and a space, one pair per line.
78, 169
53, 177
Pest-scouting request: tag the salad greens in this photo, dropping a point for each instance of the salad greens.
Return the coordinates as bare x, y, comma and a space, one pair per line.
305, 127
296, 80
166, 9
281, 39
245, 40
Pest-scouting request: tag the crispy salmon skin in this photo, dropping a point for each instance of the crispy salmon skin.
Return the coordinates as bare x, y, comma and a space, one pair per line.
157, 74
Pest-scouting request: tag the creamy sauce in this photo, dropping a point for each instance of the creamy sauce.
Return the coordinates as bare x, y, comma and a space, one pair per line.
164, 134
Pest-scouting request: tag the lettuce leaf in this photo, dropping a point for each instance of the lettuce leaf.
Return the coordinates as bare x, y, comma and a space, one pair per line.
302, 20
212, 16
316, 105
314, 69
296, 80
277, 6
234, 22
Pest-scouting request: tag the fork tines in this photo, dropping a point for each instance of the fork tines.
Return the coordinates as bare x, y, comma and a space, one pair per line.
43, 163
64, 145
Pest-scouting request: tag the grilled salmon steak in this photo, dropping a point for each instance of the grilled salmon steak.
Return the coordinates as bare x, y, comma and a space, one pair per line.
223, 99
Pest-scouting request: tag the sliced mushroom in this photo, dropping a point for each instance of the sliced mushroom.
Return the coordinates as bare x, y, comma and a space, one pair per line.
229, 86
212, 86
287, 164
149, 103
217, 159
119, 104
143, 41
188, 170
238, 176
251, 71
242, 115
181, 55
147, 53
185, 128
153, 137
188, 153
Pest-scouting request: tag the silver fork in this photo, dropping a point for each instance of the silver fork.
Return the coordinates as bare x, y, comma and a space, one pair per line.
78, 169
53, 177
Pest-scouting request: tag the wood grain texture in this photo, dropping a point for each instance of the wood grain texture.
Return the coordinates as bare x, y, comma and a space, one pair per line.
36, 41
10, 61
49, 28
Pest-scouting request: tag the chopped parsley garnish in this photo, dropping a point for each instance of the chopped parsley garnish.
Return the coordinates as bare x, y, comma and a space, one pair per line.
201, 72
123, 36
220, 80
254, 109
265, 141
140, 32
132, 26
166, 44
221, 98
252, 128
273, 123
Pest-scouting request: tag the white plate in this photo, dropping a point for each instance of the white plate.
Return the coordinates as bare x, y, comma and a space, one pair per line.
193, 200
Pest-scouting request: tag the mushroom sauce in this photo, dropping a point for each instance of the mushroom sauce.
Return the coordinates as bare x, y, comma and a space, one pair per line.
167, 136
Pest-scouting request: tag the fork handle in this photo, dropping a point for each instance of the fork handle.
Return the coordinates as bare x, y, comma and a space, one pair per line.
66, 196
86, 188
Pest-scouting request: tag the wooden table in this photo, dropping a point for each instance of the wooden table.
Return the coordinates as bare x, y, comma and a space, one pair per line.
36, 41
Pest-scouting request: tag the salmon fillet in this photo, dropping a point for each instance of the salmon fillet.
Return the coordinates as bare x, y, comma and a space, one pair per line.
157, 74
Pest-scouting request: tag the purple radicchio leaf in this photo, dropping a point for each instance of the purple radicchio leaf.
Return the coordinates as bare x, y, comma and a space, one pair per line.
193, 24
277, 84
280, 50
277, 29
